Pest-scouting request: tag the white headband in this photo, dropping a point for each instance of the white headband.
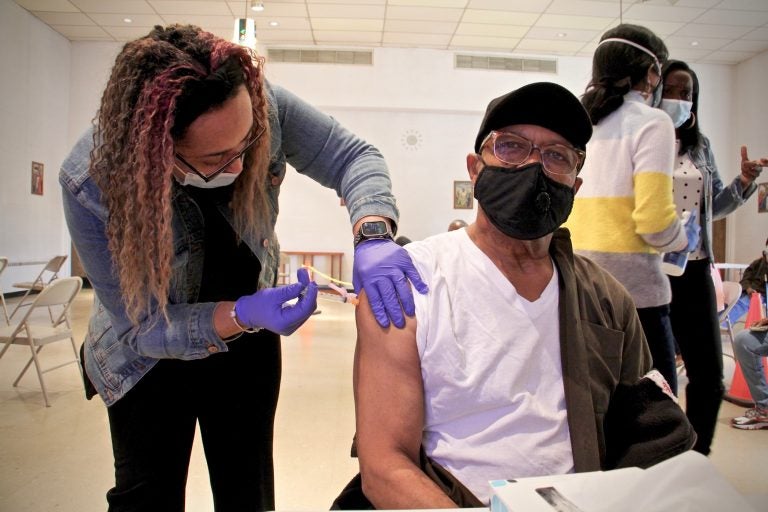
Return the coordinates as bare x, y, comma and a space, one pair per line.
631, 43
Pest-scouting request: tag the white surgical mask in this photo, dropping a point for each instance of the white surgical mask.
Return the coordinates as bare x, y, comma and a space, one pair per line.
678, 110
221, 180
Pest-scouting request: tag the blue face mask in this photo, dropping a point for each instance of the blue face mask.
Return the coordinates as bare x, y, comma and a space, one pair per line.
678, 110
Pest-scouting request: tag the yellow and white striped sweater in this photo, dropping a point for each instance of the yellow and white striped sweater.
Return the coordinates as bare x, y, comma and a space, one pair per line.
624, 213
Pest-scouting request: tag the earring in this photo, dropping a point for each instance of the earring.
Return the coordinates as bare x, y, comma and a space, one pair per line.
693, 121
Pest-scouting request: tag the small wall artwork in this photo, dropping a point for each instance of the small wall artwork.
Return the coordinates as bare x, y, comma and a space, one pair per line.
37, 178
762, 197
463, 198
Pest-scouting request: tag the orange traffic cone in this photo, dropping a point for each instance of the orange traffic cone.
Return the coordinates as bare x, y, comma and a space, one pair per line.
739, 392
755, 312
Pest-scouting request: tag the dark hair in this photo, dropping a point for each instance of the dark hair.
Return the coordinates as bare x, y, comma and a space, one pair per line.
617, 67
689, 134
402, 240
200, 96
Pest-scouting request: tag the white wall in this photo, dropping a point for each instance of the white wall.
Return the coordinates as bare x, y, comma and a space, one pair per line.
34, 114
406, 91
90, 69
748, 228
419, 91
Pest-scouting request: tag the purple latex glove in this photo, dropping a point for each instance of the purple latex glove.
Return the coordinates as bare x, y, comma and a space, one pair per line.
382, 268
692, 231
267, 309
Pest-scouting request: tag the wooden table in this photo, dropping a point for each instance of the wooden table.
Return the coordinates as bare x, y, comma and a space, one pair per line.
308, 258
727, 268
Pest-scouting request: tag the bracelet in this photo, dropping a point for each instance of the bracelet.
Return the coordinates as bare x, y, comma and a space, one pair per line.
233, 316
232, 338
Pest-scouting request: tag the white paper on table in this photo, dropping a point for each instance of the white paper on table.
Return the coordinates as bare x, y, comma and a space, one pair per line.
687, 482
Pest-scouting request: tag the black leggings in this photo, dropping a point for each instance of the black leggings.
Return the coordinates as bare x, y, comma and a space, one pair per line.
697, 331
661, 342
233, 396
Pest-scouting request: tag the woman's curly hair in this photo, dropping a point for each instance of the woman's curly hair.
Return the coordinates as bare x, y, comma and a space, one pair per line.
159, 85
618, 67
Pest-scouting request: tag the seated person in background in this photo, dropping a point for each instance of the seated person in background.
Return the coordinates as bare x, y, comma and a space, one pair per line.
456, 224
750, 346
523, 359
752, 280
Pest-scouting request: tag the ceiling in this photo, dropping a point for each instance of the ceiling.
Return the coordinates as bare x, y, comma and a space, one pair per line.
706, 31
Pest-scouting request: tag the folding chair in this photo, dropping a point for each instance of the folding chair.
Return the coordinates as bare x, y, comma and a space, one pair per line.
36, 333
45, 277
3, 264
731, 292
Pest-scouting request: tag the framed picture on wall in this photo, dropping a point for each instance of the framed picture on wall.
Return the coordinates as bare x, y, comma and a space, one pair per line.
762, 197
462, 195
37, 178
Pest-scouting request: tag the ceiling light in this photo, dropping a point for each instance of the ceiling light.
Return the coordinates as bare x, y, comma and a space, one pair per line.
273, 24
561, 34
128, 20
257, 6
694, 43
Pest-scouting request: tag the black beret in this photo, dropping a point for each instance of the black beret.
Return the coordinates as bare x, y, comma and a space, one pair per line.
543, 104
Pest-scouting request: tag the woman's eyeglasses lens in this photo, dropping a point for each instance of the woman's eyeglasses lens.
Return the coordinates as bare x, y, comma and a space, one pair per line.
514, 150
238, 156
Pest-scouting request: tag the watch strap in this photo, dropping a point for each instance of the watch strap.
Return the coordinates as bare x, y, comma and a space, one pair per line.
360, 238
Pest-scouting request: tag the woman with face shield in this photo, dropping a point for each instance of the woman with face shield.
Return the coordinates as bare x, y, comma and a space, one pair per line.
624, 215
698, 188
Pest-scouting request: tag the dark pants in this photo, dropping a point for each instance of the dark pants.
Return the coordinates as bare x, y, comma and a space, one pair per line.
232, 396
658, 332
697, 331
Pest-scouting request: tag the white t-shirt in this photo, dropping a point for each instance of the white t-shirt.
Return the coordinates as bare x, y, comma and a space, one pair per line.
490, 362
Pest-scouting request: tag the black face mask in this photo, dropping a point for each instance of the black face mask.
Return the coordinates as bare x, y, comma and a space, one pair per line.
523, 203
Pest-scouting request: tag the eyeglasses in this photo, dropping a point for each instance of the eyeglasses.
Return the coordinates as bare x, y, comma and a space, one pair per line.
238, 156
514, 150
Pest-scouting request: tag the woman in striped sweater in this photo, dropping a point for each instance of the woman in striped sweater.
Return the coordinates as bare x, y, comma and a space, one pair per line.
624, 215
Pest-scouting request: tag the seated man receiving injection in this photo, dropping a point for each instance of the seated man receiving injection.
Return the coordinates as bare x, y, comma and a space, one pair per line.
523, 359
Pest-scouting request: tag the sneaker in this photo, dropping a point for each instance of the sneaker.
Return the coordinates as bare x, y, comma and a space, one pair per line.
753, 419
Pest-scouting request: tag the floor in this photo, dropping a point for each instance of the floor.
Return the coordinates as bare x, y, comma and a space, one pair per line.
59, 457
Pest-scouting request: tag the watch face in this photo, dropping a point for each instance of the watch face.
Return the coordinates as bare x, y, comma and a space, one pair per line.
374, 228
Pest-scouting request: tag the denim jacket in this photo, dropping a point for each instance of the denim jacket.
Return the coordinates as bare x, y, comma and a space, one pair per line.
118, 353
719, 200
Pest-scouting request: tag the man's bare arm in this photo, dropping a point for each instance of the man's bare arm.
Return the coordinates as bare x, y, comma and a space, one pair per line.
389, 404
